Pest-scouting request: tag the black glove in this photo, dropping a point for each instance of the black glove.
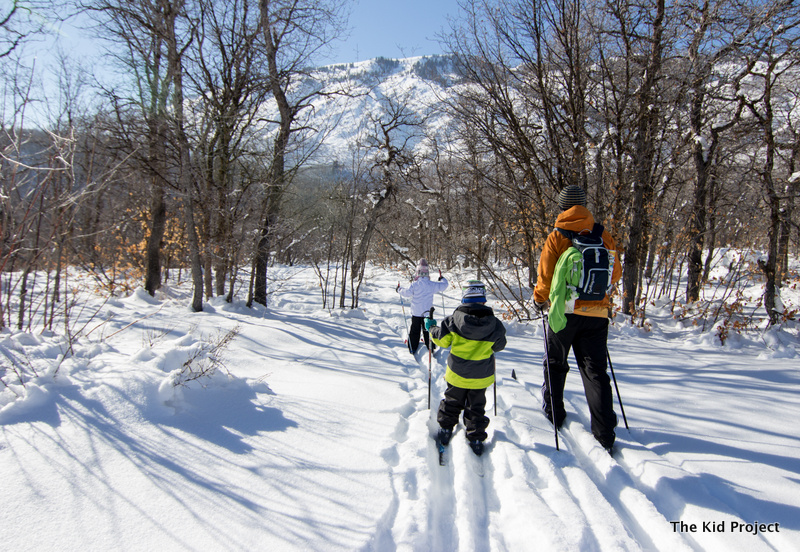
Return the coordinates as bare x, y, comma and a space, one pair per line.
541, 306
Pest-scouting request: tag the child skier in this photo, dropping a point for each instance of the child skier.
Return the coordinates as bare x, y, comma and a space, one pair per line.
473, 334
421, 293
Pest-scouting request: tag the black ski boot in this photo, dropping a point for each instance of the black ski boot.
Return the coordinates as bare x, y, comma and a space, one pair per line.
445, 435
477, 447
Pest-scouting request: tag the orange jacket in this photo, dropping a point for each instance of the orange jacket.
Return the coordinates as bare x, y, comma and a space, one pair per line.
576, 219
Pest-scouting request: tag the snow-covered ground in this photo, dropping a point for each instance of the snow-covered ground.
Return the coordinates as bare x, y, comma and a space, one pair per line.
316, 435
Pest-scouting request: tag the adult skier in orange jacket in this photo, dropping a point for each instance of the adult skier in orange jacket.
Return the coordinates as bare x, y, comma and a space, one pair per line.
586, 331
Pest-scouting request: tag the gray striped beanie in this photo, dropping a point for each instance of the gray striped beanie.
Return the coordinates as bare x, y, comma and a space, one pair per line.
571, 196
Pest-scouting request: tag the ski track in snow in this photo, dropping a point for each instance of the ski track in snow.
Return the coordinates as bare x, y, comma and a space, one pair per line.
456, 498
555, 491
575, 498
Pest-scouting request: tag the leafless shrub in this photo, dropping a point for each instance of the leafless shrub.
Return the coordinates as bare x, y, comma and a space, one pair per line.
207, 359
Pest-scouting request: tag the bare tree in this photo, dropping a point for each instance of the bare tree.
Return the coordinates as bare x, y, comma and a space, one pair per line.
156, 35
176, 43
775, 59
644, 153
230, 82
295, 31
140, 30
523, 109
21, 21
715, 105
392, 166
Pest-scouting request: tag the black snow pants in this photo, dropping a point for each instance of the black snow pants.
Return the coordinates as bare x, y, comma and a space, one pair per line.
473, 403
417, 327
587, 336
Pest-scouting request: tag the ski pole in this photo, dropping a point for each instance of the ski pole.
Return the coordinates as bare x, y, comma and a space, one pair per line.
430, 341
549, 378
619, 399
403, 306
442, 294
495, 394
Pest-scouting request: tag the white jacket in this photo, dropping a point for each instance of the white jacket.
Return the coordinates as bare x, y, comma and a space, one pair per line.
421, 292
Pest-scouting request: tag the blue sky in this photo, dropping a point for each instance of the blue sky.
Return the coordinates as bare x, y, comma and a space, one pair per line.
394, 29
388, 28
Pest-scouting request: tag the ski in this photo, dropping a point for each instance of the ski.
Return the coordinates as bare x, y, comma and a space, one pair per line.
476, 462
441, 448
585, 448
477, 465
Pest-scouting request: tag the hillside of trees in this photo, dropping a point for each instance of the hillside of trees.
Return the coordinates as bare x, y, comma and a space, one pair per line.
203, 155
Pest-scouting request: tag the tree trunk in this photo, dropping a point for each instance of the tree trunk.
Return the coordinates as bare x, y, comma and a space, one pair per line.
184, 161
277, 177
697, 228
158, 224
785, 230
644, 157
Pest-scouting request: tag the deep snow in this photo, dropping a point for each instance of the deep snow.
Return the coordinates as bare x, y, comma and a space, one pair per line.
315, 435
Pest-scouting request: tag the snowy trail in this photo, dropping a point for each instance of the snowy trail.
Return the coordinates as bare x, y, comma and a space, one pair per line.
552, 491
577, 498
569, 511
321, 439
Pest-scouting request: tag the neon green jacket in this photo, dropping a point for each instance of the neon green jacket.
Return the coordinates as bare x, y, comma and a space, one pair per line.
566, 277
473, 334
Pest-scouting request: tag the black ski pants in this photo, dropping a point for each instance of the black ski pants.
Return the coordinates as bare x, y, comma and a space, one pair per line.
473, 403
417, 327
588, 337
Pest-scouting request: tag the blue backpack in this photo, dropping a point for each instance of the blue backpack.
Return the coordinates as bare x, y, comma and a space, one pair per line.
595, 278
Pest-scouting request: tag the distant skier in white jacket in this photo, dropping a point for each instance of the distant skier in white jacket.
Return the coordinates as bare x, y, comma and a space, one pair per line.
421, 292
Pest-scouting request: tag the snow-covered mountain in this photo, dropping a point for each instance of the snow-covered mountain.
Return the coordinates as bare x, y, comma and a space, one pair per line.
406, 93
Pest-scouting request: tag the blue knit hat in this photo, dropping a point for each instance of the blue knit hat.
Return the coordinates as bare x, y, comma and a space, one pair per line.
473, 292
